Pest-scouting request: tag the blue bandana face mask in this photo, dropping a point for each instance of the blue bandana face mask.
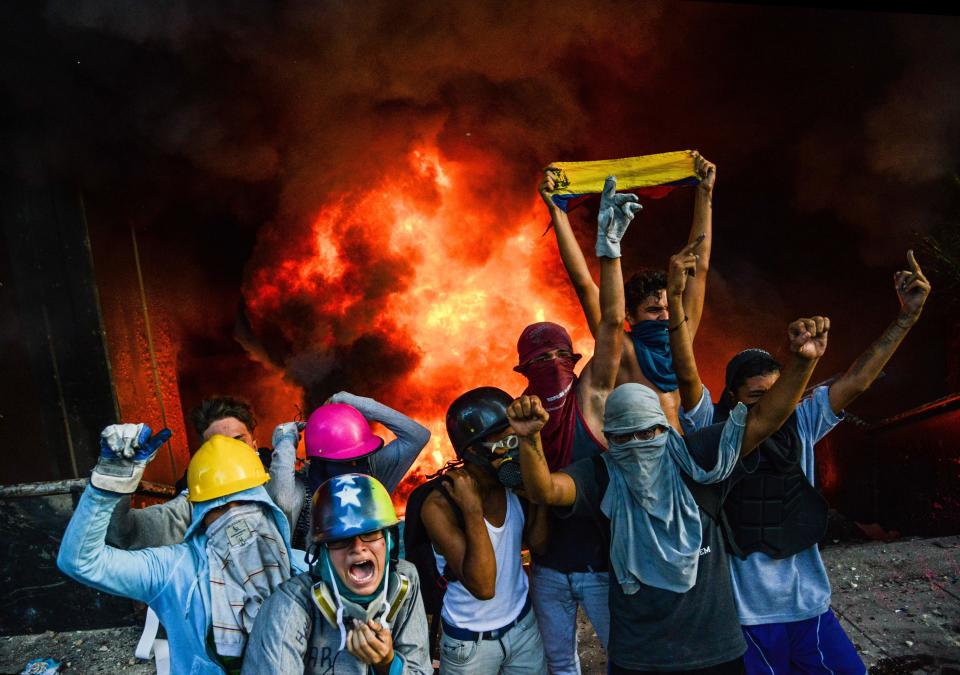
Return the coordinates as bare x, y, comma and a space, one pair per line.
651, 343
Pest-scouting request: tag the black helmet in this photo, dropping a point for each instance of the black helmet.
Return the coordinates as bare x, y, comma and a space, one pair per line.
476, 414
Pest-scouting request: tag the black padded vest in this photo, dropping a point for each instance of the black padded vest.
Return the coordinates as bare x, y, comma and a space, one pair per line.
770, 505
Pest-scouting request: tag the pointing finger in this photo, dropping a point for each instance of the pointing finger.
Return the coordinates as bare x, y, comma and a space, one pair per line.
912, 261
915, 266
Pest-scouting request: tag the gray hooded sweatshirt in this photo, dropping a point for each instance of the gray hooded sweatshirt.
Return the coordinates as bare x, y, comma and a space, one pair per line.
291, 636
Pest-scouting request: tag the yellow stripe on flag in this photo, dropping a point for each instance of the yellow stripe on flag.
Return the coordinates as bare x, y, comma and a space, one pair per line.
577, 178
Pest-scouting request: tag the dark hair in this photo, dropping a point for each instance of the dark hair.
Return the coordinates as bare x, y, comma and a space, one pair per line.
748, 363
219, 407
641, 284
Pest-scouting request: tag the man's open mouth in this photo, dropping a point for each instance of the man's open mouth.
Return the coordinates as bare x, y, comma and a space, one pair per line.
362, 572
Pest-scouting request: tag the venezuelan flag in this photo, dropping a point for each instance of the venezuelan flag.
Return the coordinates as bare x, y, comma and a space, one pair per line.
649, 175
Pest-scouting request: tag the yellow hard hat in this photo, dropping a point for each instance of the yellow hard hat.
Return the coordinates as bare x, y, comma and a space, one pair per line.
222, 466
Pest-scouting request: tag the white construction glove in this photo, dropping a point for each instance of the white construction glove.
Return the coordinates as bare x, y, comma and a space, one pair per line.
616, 212
125, 451
287, 431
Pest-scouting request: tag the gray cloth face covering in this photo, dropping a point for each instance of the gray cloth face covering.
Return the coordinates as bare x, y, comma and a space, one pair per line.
248, 561
655, 533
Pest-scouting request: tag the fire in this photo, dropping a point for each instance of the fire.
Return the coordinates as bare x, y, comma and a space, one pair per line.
462, 307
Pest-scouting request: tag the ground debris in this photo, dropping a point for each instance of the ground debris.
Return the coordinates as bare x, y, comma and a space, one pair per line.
898, 601
107, 650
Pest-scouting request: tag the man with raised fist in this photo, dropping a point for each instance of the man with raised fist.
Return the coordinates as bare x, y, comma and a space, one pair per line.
656, 494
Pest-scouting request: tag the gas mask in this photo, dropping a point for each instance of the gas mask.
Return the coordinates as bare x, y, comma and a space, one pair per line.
508, 471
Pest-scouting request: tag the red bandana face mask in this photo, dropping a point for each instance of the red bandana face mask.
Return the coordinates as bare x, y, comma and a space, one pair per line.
551, 380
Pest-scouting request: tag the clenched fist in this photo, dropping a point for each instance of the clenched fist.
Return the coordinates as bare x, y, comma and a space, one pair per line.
808, 337
527, 415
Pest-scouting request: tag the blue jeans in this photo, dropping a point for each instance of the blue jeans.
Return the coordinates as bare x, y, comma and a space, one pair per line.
519, 652
555, 599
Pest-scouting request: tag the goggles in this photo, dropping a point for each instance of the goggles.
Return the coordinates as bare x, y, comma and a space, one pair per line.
366, 537
641, 435
511, 442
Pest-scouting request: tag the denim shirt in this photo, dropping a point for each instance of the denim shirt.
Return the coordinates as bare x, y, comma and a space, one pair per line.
173, 580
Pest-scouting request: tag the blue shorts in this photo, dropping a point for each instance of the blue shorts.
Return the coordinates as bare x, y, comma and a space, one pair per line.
816, 645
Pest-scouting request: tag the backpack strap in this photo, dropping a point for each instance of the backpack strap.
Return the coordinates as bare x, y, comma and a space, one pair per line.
457, 511
399, 595
324, 602
447, 574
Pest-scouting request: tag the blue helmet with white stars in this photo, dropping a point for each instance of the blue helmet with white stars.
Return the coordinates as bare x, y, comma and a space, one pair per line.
350, 504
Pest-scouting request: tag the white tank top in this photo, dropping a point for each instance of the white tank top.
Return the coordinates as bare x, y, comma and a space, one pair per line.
465, 611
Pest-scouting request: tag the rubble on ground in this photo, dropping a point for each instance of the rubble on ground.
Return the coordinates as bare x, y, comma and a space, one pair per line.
898, 601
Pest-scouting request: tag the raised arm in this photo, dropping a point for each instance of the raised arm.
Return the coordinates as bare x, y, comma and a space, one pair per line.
527, 417
85, 557
394, 460
282, 486
912, 290
156, 525
468, 551
808, 341
125, 451
600, 375
683, 266
702, 228
572, 256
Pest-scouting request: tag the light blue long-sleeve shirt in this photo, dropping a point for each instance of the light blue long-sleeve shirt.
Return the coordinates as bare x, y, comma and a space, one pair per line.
173, 580
768, 590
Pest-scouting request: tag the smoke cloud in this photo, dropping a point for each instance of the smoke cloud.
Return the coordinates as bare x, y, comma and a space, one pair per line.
241, 136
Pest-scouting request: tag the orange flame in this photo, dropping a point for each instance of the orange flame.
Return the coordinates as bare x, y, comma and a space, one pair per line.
463, 310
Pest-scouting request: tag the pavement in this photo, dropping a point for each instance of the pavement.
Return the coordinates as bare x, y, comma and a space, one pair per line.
899, 602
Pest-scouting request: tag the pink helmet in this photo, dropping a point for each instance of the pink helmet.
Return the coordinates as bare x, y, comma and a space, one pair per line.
338, 432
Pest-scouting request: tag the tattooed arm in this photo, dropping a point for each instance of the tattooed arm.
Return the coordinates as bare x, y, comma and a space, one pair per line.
527, 417
912, 290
